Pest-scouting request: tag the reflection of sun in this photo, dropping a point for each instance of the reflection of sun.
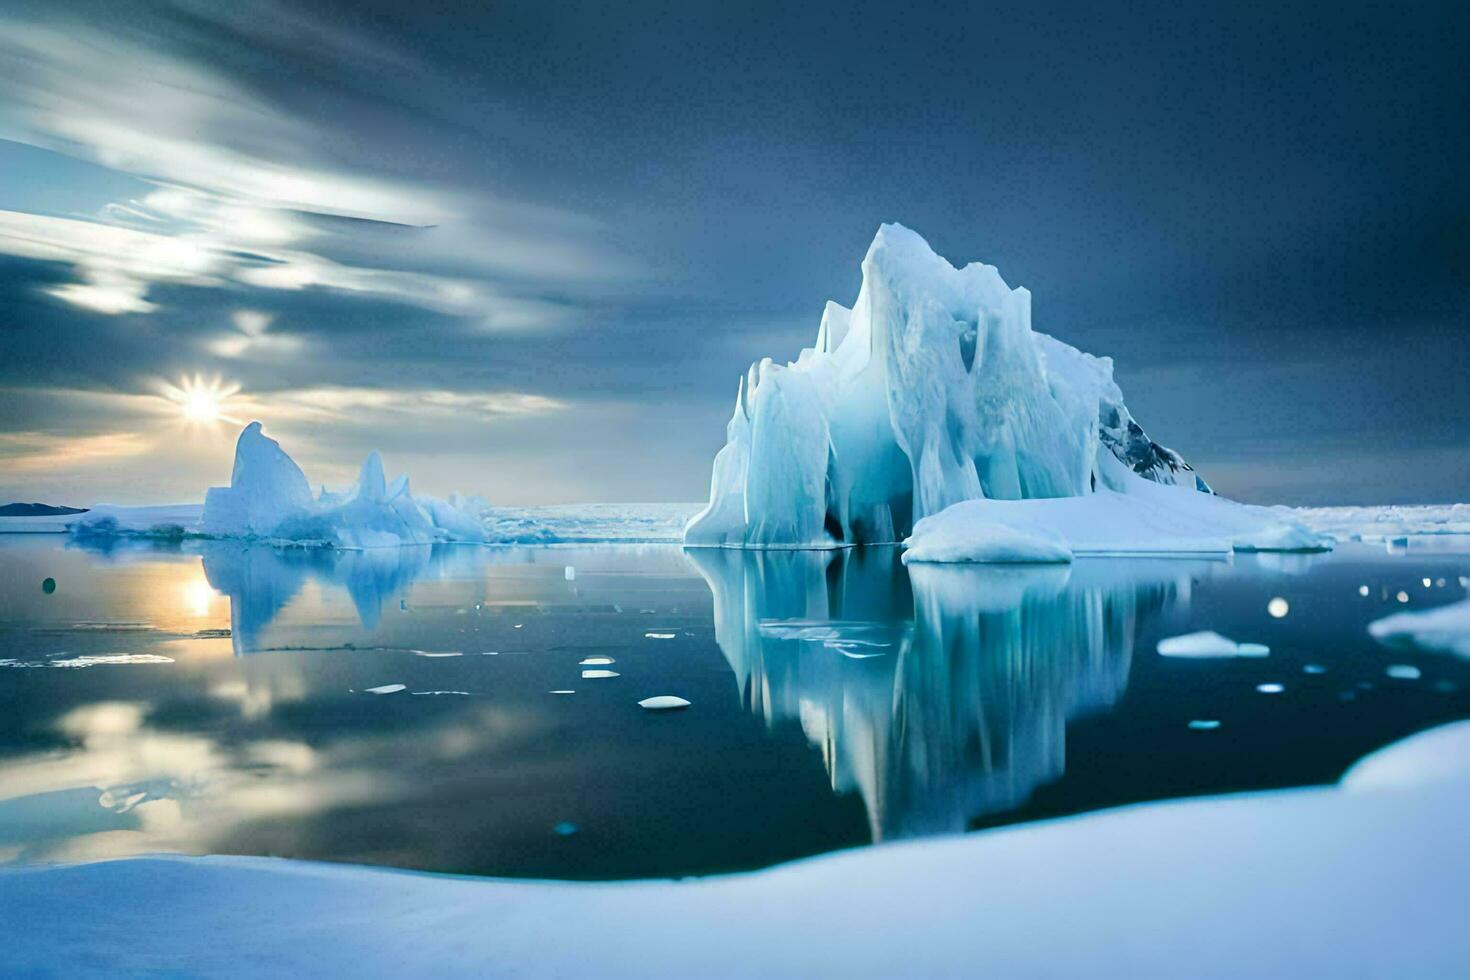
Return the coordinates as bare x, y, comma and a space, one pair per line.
197, 597
201, 401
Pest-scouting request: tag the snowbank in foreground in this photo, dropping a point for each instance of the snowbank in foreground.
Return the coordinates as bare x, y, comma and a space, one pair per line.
1446, 628
1366, 880
1149, 519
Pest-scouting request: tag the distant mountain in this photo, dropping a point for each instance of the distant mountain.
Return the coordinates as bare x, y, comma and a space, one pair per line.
38, 510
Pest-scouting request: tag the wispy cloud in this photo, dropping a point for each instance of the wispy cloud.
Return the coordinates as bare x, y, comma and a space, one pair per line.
249, 192
41, 452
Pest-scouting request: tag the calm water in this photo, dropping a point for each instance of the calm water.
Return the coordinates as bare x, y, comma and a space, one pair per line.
215, 698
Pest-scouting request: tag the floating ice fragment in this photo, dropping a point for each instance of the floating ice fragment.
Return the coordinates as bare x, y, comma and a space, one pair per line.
1204, 725
565, 829
387, 689
1402, 597
443, 653
1362, 590
1427, 582
1278, 607
489, 653
1314, 669
562, 691
111, 659
592, 674
595, 662
660, 636
433, 693
1207, 643
1270, 688
663, 702
1403, 672
570, 573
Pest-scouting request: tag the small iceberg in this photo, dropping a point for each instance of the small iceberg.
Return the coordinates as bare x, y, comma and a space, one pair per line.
663, 702
1207, 644
1446, 629
387, 689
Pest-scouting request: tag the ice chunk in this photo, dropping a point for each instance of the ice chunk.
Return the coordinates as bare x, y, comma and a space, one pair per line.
1446, 628
387, 689
594, 674
1207, 643
663, 702
979, 541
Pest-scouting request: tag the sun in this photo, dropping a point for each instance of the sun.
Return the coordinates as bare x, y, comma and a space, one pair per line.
201, 401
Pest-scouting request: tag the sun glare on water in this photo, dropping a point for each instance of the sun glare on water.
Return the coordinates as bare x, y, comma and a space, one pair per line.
200, 400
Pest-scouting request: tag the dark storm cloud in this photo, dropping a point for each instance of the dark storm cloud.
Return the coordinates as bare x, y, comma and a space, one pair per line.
1260, 211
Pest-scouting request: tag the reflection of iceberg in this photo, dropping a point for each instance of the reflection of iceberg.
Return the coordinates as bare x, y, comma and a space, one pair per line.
261, 580
965, 712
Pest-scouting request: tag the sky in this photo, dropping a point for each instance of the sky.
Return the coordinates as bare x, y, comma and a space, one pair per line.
526, 249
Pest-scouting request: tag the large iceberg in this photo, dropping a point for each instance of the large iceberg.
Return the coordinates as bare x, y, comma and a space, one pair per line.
269, 498
933, 391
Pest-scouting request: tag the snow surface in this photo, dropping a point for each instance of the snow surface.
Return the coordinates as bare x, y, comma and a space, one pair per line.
1446, 628
933, 389
1147, 519
1368, 879
268, 498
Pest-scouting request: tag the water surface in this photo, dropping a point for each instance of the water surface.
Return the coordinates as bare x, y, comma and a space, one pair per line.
214, 697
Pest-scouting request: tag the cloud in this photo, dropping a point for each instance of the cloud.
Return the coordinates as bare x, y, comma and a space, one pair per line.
248, 191
39, 452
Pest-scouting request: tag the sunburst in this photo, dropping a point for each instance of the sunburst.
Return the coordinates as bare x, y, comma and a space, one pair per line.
202, 401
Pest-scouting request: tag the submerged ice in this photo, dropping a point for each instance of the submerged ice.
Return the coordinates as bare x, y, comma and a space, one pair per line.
933, 391
269, 498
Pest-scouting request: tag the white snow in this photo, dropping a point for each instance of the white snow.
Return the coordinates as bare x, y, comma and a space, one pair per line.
1365, 879
987, 541
268, 498
1206, 644
933, 393
1146, 519
1446, 628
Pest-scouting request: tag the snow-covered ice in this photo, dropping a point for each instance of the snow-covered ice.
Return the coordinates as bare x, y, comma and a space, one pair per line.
1446, 628
1143, 519
1367, 878
663, 702
930, 403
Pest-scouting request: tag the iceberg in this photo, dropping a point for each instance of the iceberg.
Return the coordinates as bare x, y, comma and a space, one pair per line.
269, 499
933, 391
1444, 628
